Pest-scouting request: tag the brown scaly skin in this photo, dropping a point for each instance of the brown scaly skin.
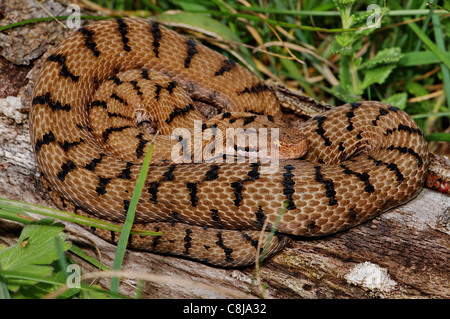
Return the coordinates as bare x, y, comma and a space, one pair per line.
363, 158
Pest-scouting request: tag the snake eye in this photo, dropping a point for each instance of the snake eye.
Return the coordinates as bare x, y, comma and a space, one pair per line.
146, 126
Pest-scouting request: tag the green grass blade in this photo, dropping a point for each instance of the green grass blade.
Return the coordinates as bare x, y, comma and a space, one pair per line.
126, 229
443, 137
4, 292
429, 43
17, 211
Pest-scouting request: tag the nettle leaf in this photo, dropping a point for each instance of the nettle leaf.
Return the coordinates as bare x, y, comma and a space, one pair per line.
399, 100
376, 75
344, 94
386, 56
35, 250
343, 4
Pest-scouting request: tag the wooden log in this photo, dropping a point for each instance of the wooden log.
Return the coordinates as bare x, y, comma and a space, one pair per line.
411, 243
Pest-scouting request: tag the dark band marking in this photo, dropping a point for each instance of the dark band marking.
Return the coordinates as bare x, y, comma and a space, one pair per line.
320, 130
237, 190
237, 186
144, 74
253, 174
383, 112
66, 146
168, 175
226, 115
171, 86
253, 242
126, 172
359, 136
155, 239
116, 80
192, 187
249, 119
353, 213
187, 239
212, 173
46, 139
256, 89
311, 225
191, 51
118, 98
404, 128
98, 103
47, 100
122, 28
179, 112
66, 168
391, 166
89, 41
288, 186
393, 108
156, 33
260, 217
141, 145
61, 60
126, 205
136, 87
363, 177
117, 115
102, 183
91, 166
153, 188
228, 251
157, 91
215, 217
328, 184
350, 114
110, 130
406, 150
226, 67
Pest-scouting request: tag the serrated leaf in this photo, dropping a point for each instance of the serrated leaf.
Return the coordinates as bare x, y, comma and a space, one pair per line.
344, 94
416, 89
35, 250
386, 56
376, 75
399, 100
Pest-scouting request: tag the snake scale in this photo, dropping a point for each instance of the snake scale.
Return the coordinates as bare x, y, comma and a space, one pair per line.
96, 89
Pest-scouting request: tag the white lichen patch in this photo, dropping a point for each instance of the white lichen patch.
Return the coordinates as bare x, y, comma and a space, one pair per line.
10, 107
371, 277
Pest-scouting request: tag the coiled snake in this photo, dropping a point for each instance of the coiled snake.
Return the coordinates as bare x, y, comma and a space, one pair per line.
97, 88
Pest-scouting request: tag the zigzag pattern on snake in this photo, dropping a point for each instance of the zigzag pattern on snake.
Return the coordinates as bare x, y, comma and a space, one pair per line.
94, 89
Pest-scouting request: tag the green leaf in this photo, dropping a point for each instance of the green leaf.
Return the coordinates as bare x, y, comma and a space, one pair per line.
386, 56
420, 58
415, 89
343, 4
399, 100
34, 251
376, 75
344, 94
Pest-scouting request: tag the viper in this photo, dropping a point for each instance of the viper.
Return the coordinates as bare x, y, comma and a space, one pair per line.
99, 88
